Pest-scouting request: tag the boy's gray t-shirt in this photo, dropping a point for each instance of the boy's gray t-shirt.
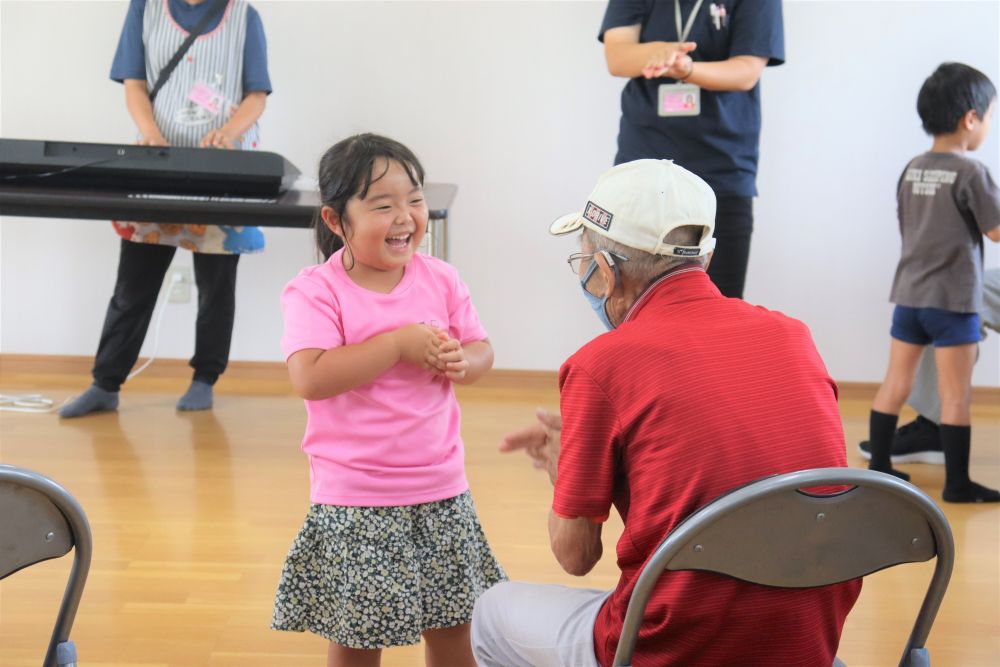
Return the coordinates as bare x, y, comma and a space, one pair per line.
946, 203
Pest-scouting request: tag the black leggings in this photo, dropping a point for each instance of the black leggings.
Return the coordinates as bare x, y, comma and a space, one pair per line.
733, 227
141, 268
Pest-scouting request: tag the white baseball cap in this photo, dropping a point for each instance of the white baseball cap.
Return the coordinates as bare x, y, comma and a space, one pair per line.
638, 203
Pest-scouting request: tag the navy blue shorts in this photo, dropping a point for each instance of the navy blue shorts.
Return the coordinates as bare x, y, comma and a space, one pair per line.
943, 328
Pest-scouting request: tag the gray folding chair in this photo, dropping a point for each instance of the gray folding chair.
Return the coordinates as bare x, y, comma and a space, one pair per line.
40, 520
771, 533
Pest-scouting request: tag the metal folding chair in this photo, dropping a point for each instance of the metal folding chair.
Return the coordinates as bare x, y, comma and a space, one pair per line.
40, 520
771, 532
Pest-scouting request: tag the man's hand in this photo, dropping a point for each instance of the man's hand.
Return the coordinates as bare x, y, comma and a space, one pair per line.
540, 441
418, 344
218, 139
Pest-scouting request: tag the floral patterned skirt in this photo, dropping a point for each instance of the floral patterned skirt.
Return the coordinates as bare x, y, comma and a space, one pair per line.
375, 577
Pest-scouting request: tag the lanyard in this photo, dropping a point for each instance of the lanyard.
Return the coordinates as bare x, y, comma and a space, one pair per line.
682, 35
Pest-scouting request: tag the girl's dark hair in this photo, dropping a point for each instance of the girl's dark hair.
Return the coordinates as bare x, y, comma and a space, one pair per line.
951, 92
347, 169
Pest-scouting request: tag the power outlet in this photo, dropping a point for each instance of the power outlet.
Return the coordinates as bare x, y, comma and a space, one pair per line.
180, 284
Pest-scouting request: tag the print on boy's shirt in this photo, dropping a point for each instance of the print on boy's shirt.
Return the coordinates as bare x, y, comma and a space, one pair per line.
927, 181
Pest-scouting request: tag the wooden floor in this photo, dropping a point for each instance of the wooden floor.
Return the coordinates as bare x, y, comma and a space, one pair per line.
192, 515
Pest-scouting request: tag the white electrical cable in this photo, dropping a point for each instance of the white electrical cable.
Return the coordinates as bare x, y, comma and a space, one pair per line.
174, 279
26, 403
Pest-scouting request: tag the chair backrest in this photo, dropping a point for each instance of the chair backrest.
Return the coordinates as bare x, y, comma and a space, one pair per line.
772, 532
40, 520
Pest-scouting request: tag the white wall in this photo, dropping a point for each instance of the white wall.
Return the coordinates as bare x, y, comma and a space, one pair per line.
511, 101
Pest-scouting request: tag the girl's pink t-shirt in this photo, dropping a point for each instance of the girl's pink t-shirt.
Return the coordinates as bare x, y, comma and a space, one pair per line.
395, 440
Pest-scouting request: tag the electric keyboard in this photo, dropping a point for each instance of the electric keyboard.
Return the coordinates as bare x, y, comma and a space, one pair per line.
28, 163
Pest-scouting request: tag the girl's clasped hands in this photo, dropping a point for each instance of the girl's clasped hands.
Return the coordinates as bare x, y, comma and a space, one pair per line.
433, 349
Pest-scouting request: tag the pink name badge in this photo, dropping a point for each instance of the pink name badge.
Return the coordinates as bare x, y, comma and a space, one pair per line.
207, 98
679, 99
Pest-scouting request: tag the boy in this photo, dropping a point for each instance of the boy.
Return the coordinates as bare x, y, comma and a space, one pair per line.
918, 441
947, 202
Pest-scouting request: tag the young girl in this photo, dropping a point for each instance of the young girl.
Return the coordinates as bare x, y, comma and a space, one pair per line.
391, 549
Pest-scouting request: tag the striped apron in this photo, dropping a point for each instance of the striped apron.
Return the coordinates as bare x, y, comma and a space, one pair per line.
213, 63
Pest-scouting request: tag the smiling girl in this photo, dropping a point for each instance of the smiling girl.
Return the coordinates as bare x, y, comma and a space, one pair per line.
375, 337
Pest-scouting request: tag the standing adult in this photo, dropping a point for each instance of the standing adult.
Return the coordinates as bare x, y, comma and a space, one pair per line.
212, 98
694, 97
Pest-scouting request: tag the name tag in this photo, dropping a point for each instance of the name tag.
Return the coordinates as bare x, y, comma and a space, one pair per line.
678, 99
207, 97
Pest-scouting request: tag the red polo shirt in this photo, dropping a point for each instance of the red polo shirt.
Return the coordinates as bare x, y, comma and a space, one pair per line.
692, 396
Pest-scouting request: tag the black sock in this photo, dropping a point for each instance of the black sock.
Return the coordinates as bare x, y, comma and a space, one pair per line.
958, 488
881, 430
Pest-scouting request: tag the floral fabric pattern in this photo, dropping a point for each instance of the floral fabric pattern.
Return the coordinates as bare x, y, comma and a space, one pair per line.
375, 577
212, 239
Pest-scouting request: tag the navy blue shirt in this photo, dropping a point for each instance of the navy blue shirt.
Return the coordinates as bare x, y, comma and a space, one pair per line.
722, 143
130, 57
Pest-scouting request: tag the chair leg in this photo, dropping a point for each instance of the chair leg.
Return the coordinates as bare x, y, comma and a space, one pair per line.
918, 657
66, 654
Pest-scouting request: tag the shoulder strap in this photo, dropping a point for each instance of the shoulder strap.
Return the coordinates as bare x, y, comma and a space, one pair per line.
193, 35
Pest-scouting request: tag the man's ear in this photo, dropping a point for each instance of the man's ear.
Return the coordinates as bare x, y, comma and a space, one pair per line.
708, 259
607, 275
332, 220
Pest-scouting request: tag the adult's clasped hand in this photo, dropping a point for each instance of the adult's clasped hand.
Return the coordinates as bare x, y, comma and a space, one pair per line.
671, 60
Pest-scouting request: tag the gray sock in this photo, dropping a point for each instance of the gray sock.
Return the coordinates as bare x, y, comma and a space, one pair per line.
197, 397
94, 399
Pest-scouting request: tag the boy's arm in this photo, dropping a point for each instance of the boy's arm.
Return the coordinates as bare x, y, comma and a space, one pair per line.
980, 194
141, 109
319, 374
246, 114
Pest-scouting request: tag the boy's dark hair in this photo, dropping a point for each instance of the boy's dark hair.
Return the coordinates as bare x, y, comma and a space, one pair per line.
951, 92
347, 169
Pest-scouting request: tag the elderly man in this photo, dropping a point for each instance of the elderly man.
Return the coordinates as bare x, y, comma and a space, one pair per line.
690, 395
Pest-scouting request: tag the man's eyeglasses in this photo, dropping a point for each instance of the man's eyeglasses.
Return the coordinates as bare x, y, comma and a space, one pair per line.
578, 258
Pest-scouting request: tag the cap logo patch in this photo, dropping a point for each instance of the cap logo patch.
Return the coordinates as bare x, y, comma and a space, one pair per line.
597, 215
687, 252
